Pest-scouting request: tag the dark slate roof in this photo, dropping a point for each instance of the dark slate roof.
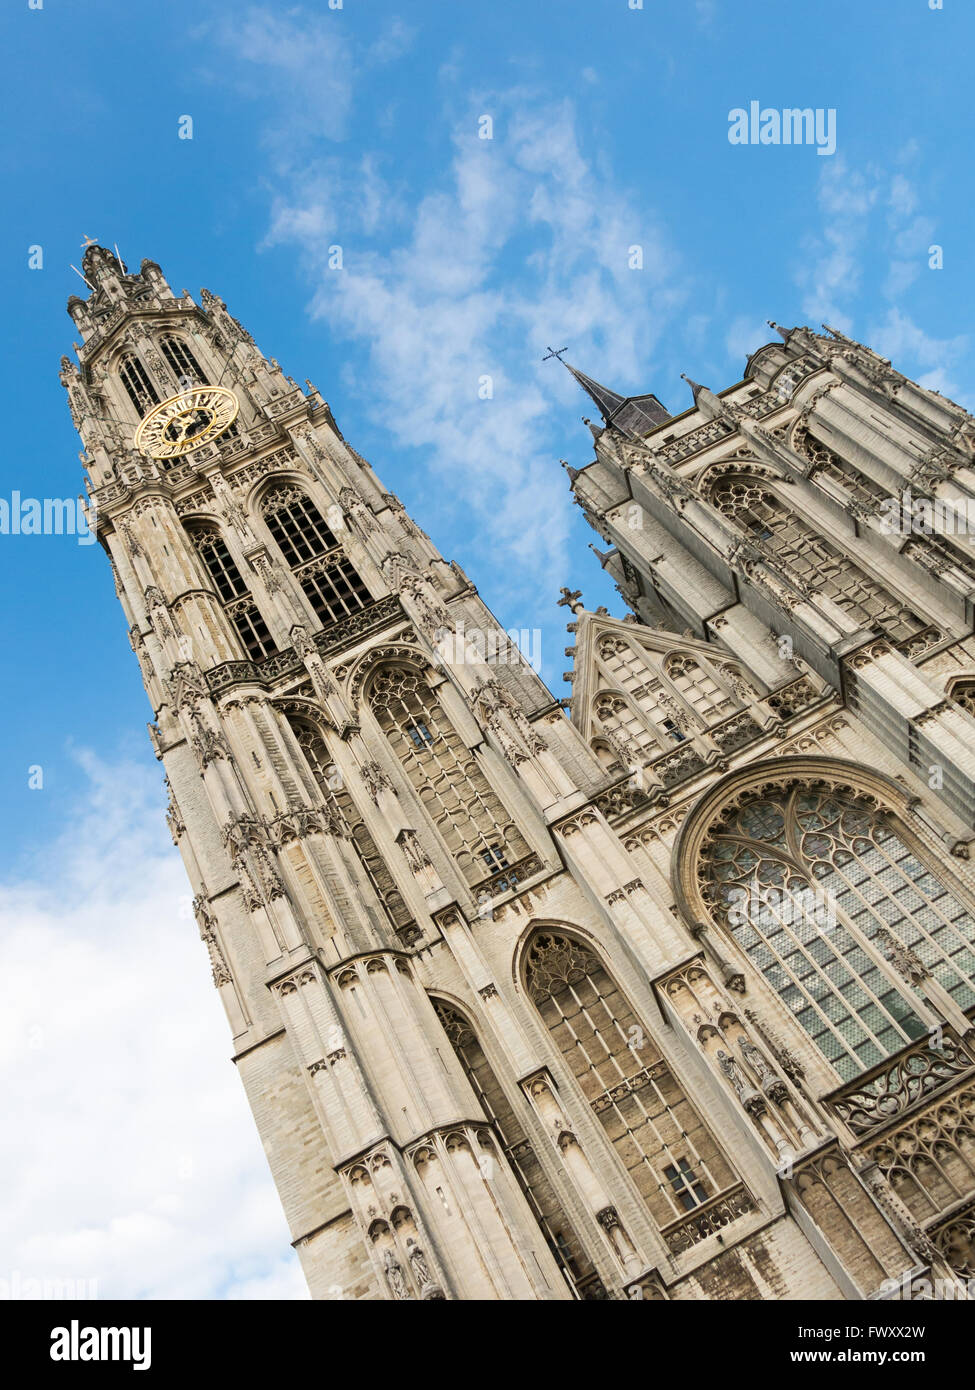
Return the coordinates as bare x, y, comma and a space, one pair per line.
632, 414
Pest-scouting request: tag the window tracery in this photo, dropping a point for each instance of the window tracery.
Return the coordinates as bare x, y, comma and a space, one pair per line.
653, 708
327, 577
657, 1134
179, 356
445, 774
935, 552
700, 689
809, 880
963, 694
542, 1200
235, 597
815, 564
333, 789
138, 384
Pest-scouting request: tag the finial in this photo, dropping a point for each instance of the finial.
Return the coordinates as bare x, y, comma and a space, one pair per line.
777, 328
572, 472
601, 556
694, 385
572, 599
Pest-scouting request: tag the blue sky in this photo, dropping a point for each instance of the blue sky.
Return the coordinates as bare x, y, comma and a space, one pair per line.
462, 258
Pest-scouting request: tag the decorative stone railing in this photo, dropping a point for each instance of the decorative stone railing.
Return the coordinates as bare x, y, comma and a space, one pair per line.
708, 1219
509, 878
286, 663
893, 1088
622, 799
794, 698
338, 635
736, 732
680, 765
921, 642
954, 1238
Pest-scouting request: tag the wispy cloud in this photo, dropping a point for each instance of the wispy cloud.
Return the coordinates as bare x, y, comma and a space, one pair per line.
299, 67
875, 237
937, 362
831, 271
130, 1155
453, 298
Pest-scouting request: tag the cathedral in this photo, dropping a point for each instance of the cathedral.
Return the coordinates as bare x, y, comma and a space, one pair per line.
661, 992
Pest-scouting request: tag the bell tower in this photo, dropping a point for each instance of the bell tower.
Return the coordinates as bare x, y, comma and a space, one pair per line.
495, 1045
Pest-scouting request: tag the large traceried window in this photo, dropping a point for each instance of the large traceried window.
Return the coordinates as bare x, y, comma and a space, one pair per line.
332, 786
816, 565
235, 597
182, 361
446, 776
963, 694
700, 689
542, 1200
137, 382
847, 484
810, 882
633, 735
658, 1135
657, 705
327, 577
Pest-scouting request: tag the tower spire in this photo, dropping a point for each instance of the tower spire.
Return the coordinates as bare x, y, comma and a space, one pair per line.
633, 415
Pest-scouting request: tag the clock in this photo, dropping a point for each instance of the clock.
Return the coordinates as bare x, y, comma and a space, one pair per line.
186, 421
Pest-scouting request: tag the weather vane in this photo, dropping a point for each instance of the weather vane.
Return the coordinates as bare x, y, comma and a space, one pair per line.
88, 241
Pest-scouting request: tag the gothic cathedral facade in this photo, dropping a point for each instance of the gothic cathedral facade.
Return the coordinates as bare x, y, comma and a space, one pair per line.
664, 992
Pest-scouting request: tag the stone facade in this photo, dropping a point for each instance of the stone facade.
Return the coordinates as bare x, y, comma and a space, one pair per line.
665, 998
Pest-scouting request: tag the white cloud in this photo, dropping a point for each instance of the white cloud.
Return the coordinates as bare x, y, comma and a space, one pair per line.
933, 361
706, 12
744, 337
831, 271
130, 1155
854, 240
298, 68
523, 239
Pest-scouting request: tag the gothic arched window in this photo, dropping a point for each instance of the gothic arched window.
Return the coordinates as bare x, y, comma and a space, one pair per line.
655, 702
137, 383
935, 552
446, 776
182, 361
634, 735
542, 1200
297, 525
235, 597
819, 888
327, 577
332, 787
657, 1134
816, 565
963, 694
700, 689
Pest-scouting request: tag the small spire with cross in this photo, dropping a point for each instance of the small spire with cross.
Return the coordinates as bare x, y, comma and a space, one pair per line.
552, 353
571, 600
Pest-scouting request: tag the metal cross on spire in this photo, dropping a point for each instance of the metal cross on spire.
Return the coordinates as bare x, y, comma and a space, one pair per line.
552, 353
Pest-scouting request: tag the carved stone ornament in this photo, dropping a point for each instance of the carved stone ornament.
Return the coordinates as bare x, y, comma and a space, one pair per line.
395, 1277
375, 779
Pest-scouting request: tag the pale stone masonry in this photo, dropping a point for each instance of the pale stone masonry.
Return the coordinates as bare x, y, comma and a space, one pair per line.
664, 997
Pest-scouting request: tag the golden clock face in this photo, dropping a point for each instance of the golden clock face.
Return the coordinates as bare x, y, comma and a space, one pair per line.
186, 421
